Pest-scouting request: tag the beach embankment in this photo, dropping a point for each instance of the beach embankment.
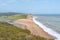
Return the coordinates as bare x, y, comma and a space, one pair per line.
33, 27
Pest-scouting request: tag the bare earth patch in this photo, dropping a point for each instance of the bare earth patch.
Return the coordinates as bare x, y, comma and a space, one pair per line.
35, 29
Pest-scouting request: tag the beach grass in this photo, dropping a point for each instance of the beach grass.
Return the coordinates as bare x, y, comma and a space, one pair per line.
15, 17
10, 32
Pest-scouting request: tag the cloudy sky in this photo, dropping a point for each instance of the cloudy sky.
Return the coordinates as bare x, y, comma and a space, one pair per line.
30, 6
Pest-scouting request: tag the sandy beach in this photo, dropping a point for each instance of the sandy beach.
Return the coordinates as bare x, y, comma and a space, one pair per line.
34, 28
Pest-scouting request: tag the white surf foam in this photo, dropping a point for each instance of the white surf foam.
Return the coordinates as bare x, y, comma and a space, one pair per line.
46, 29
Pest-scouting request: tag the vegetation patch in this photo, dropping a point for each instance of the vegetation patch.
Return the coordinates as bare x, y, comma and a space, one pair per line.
10, 32
15, 17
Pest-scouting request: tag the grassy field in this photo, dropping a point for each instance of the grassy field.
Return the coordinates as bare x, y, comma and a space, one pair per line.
10, 32
14, 17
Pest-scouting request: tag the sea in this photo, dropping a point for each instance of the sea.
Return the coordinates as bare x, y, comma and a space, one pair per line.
50, 23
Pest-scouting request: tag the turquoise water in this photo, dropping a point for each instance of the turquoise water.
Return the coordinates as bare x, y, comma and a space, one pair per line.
52, 22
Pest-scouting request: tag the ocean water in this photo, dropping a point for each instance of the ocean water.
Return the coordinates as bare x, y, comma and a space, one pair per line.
52, 22
49, 22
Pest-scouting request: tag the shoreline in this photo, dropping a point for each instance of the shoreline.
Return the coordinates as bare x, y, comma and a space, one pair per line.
34, 28
48, 30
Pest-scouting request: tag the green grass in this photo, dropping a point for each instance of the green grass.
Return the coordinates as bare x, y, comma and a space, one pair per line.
15, 17
10, 32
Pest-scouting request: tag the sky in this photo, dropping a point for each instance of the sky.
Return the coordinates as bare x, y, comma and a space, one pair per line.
30, 6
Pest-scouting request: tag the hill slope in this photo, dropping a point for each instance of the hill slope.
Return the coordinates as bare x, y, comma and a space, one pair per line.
10, 32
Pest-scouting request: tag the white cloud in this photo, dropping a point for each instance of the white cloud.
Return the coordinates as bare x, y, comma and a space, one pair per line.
2, 3
26, 0
11, 1
6, 2
42, 1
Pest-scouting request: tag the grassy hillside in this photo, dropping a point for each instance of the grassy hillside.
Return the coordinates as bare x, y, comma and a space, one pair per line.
16, 16
10, 32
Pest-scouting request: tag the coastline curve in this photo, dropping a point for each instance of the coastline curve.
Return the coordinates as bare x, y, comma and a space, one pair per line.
46, 29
